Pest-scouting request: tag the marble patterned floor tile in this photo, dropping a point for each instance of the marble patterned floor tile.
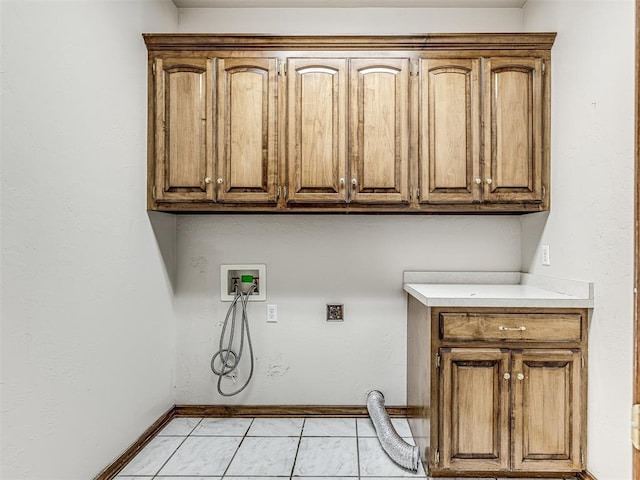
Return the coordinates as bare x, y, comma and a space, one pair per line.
329, 478
374, 462
276, 427
180, 426
152, 456
327, 457
127, 477
227, 477
272, 456
181, 477
366, 428
329, 427
202, 456
223, 427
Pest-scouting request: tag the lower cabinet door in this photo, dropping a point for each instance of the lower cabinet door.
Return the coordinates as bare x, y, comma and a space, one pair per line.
547, 410
474, 409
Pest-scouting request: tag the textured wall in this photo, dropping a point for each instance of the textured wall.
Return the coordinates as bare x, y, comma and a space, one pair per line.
87, 330
312, 260
590, 226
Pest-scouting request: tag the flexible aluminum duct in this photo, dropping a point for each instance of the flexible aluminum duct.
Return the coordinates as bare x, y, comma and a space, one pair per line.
404, 454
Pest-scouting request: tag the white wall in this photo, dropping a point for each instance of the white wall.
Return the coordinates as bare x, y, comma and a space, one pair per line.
590, 226
347, 21
314, 260
87, 321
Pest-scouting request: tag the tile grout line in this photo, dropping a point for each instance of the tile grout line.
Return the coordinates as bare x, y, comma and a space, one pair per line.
295, 457
176, 449
357, 448
237, 448
174, 452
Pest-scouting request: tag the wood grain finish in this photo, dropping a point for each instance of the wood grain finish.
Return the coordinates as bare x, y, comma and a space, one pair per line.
636, 298
501, 403
547, 392
422, 124
509, 327
183, 129
247, 90
474, 409
513, 129
316, 148
379, 116
419, 368
449, 130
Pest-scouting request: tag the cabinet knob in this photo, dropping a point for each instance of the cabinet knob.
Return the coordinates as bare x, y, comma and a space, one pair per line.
520, 376
354, 182
489, 181
220, 181
207, 180
342, 181
507, 376
478, 181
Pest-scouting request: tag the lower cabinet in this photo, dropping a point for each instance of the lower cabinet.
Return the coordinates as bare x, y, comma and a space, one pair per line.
506, 393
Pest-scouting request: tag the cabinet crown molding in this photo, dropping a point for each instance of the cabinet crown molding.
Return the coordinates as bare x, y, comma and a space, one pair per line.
430, 41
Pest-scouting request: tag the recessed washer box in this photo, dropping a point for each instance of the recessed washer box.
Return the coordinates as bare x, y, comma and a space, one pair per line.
243, 276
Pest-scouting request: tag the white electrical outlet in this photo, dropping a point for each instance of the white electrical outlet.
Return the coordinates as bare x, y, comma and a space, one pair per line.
546, 255
272, 313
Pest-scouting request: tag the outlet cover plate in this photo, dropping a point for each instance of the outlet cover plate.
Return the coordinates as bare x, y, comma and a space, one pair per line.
335, 312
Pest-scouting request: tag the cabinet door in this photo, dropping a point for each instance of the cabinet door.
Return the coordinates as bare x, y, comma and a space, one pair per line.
317, 129
246, 92
474, 409
513, 129
449, 131
183, 130
379, 130
547, 410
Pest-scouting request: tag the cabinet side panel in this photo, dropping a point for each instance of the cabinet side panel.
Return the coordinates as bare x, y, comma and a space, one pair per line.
419, 374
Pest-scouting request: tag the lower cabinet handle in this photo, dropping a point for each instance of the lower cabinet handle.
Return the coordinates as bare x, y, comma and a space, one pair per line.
521, 328
507, 376
520, 376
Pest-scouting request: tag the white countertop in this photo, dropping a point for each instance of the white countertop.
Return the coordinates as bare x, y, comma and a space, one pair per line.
494, 289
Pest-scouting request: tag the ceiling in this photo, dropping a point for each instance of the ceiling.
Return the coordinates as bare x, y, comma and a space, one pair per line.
349, 3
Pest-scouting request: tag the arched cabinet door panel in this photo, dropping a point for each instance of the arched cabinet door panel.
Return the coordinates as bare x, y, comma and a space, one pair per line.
183, 130
247, 124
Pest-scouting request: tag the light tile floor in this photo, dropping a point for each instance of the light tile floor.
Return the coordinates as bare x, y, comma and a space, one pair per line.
268, 449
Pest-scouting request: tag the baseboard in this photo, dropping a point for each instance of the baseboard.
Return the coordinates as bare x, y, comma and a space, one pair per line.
113, 469
236, 411
280, 411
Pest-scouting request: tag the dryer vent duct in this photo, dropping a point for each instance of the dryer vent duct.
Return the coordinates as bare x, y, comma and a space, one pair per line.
404, 454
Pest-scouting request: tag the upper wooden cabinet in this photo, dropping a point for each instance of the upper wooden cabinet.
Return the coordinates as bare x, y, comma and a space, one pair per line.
513, 130
182, 130
397, 124
316, 129
247, 125
379, 130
